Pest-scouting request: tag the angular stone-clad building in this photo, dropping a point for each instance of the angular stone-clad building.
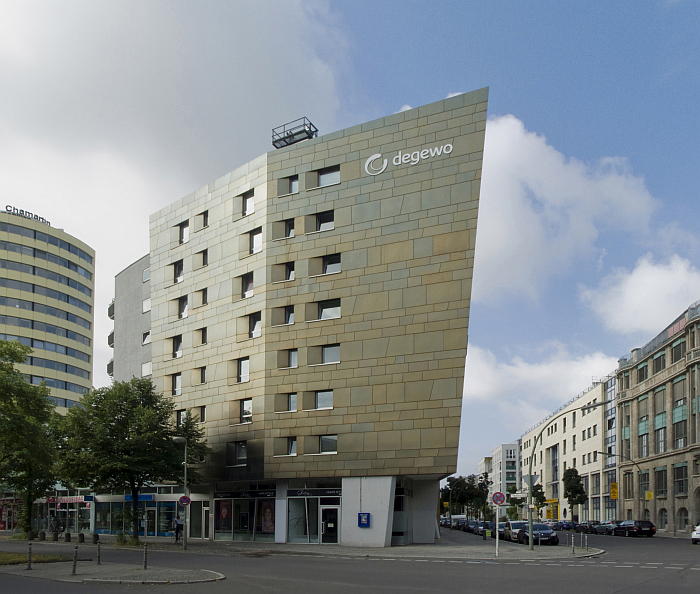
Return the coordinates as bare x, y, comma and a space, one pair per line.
311, 307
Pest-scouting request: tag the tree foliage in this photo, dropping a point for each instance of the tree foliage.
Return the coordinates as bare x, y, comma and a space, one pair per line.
515, 502
27, 443
538, 496
574, 492
122, 438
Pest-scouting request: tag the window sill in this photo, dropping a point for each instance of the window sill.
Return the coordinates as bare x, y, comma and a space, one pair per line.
283, 238
286, 280
319, 231
321, 364
289, 194
326, 186
280, 325
246, 339
249, 255
324, 274
322, 454
324, 319
282, 412
284, 456
236, 465
313, 409
239, 424
242, 298
283, 368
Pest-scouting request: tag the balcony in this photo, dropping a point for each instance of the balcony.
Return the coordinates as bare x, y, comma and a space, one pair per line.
110, 339
110, 368
110, 310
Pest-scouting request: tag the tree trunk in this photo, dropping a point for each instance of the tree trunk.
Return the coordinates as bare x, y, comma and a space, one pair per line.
134, 510
28, 510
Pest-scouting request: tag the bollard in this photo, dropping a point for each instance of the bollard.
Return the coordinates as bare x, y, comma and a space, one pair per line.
98, 554
81, 537
75, 559
42, 535
29, 557
95, 538
581, 538
54, 536
573, 546
66, 537
586, 541
145, 556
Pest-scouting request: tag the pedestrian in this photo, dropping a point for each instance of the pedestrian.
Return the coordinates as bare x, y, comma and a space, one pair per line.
176, 528
180, 527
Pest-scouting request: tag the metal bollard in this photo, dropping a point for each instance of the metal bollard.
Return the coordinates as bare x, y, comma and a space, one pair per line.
29, 557
75, 559
145, 556
582, 539
98, 554
586, 541
573, 546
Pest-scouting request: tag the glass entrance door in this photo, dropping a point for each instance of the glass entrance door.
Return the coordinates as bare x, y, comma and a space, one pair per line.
330, 528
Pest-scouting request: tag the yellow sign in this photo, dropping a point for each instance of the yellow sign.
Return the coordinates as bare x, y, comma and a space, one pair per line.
613, 490
649, 495
552, 501
549, 514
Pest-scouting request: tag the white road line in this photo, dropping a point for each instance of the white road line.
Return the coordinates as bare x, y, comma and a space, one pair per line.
648, 567
677, 568
624, 565
512, 563
421, 560
653, 563
557, 564
454, 561
388, 559
695, 569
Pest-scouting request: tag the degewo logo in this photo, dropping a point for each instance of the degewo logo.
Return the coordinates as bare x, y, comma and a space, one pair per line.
412, 158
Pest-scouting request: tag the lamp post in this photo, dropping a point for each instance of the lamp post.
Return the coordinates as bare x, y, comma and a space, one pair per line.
586, 408
451, 487
181, 440
630, 460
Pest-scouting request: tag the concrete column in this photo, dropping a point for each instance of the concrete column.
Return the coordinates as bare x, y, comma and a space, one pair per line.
374, 494
425, 498
281, 512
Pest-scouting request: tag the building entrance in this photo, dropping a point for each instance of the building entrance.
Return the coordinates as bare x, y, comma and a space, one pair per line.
330, 525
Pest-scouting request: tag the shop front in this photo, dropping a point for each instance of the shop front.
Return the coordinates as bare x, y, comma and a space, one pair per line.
245, 515
9, 513
313, 516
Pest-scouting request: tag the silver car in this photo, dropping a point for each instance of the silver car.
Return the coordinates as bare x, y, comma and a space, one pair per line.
510, 532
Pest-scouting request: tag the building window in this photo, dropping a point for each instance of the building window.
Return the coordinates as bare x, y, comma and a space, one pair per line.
644, 445
178, 271
146, 274
330, 353
202, 375
659, 362
236, 453
325, 221
573, 444
660, 440
291, 446
146, 369
329, 176
255, 325
680, 434
203, 335
248, 203
642, 372
202, 414
204, 219
255, 240
663, 519
243, 370
201, 259
176, 383
247, 285
184, 232
595, 430
331, 264
329, 309
146, 306
627, 486
289, 228
682, 519
289, 271
180, 416
177, 346
289, 314
182, 307
678, 350
203, 296
289, 359
324, 399
660, 482
146, 337
246, 410
680, 479
292, 402
328, 444
643, 484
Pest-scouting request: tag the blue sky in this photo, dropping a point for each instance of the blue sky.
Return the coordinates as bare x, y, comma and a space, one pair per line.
587, 244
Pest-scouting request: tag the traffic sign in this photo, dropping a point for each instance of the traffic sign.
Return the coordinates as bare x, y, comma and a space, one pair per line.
184, 500
499, 498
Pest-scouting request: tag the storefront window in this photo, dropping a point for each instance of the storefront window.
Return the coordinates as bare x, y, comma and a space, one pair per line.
166, 515
243, 519
265, 521
223, 519
116, 517
102, 518
84, 517
302, 520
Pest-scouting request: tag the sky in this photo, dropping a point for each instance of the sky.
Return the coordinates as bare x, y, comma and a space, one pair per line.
587, 239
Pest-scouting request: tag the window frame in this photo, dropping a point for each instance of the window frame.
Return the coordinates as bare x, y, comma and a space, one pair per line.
245, 411
329, 262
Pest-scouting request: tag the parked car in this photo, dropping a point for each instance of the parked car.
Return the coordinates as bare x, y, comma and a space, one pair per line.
635, 528
501, 528
541, 533
479, 528
562, 525
459, 524
606, 527
695, 536
510, 532
470, 525
587, 526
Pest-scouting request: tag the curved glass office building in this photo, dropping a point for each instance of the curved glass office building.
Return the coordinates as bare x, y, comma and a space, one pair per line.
47, 280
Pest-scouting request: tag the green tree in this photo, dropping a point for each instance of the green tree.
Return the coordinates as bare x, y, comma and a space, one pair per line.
538, 497
483, 485
574, 492
122, 438
27, 443
515, 502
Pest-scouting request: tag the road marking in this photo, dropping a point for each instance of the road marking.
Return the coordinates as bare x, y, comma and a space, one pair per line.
437, 561
613, 562
648, 567
679, 568
512, 563
557, 564
653, 563
454, 561
421, 560
695, 569
579, 565
388, 559
624, 565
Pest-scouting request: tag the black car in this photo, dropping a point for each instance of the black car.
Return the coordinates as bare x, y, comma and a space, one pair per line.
606, 527
587, 526
459, 524
635, 528
470, 525
501, 528
542, 534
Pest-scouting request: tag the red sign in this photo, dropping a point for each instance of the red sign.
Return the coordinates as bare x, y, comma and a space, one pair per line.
184, 500
499, 498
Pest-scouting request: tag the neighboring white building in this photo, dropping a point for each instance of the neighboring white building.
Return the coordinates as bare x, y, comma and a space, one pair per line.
504, 474
575, 438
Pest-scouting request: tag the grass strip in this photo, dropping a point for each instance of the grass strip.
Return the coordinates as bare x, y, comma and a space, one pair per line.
21, 558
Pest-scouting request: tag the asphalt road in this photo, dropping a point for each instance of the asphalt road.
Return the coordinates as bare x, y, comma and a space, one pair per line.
638, 565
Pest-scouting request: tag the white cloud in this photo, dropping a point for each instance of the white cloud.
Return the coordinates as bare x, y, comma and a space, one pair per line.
502, 400
647, 298
540, 212
404, 108
453, 94
112, 110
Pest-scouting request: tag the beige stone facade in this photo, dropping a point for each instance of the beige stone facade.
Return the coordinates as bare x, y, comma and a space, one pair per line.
659, 433
47, 280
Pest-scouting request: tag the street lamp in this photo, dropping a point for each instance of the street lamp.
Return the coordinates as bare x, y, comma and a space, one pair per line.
180, 441
638, 468
451, 487
586, 408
